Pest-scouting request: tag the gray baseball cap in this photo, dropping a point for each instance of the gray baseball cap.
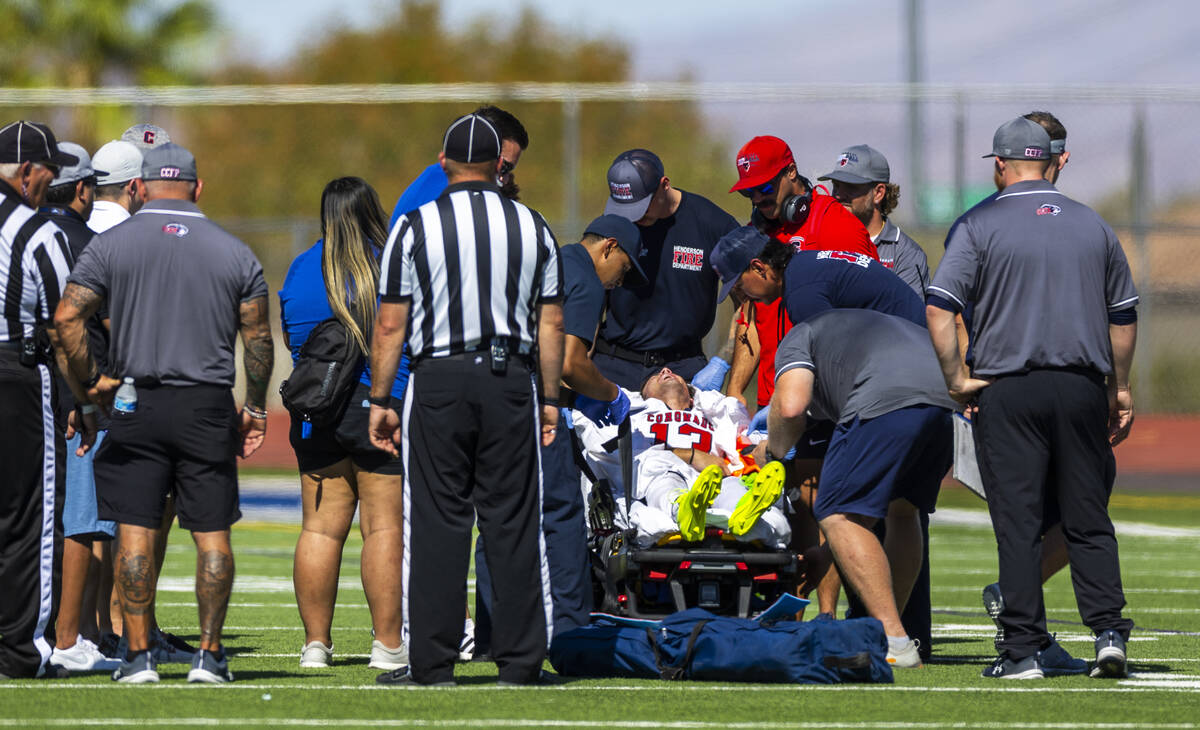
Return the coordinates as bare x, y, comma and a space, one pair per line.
860, 164
121, 161
1021, 139
146, 135
168, 162
633, 179
628, 237
80, 170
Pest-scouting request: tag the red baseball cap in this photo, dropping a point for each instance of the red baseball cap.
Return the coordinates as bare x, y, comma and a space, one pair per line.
760, 160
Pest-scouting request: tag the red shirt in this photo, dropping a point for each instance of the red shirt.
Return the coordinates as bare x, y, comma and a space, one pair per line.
829, 227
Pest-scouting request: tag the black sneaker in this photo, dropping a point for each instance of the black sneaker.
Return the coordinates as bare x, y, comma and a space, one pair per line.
109, 644
993, 603
1056, 662
1005, 668
138, 668
402, 677
1110, 656
210, 667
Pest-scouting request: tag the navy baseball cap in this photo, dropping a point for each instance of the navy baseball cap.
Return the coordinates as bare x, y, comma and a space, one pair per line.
633, 179
734, 252
471, 138
860, 164
628, 237
1021, 139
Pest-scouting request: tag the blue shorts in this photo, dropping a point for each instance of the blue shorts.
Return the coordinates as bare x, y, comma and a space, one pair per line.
79, 506
899, 455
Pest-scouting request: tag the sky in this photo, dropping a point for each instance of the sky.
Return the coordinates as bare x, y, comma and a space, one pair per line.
839, 41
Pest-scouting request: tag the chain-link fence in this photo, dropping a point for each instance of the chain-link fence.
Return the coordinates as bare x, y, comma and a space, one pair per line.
267, 151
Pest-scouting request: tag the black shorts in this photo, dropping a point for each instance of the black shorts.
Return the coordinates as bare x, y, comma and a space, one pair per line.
324, 447
182, 440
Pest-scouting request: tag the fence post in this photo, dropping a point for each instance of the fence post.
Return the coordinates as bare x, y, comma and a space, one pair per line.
915, 52
571, 165
1139, 201
960, 154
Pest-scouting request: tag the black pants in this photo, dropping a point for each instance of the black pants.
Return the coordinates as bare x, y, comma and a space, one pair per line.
565, 528
471, 451
1043, 428
631, 375
32, 473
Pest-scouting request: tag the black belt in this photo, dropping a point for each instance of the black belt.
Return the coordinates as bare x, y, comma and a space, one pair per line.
482, 349
648, 358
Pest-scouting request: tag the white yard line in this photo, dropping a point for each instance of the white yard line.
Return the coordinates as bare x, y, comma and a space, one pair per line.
531, 722
999, 687
979, 518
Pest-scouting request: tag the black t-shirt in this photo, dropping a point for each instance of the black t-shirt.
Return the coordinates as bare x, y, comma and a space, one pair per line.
817, 281
78, 237
583, 293
676, 309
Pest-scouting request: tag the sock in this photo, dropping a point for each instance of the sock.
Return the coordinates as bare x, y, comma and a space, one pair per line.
897, 643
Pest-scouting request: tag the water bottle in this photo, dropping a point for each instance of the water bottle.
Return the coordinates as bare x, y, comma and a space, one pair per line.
126, 400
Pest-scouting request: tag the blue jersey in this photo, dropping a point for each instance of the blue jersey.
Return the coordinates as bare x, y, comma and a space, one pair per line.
677, 308
303, 305
583, 293
428, 186
817, 281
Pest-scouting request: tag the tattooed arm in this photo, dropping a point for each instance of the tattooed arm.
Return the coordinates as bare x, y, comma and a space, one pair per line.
75, 360
257, 361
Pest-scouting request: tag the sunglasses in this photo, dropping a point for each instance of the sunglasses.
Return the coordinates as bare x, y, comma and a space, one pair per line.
767, 188
53, 168
506, 167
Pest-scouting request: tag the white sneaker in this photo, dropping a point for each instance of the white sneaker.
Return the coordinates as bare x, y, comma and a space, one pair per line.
316, 655
388, 659
466, 648
906, 657
84, 656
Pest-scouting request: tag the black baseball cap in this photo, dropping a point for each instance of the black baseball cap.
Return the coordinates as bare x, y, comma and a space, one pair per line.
471, 138
629, 238
32, 142
734, 252
632, 180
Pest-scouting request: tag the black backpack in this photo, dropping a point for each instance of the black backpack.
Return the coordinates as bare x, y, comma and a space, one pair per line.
323, 377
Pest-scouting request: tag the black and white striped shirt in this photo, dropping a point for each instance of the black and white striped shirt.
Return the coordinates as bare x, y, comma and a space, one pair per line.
34, 263
475, 265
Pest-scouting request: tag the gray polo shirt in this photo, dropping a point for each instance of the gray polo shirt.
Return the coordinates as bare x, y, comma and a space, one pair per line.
1044, 272
174, 281
904, 257
865, 364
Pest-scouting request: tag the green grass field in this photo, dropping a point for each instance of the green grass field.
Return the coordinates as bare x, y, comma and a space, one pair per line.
264, 637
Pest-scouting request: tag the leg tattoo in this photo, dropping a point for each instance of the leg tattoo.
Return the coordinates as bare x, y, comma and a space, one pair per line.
214, 580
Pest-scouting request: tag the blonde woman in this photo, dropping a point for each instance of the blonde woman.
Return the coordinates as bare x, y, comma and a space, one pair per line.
339, 469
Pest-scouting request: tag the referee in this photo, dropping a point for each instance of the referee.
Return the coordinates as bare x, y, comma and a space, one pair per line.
471, 282
1053, 335
33, 272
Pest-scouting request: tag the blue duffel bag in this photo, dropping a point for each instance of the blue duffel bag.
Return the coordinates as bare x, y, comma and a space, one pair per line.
698, 645
605, 648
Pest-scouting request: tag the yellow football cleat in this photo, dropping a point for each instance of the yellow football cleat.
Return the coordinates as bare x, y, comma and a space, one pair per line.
694, 503
768, 485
